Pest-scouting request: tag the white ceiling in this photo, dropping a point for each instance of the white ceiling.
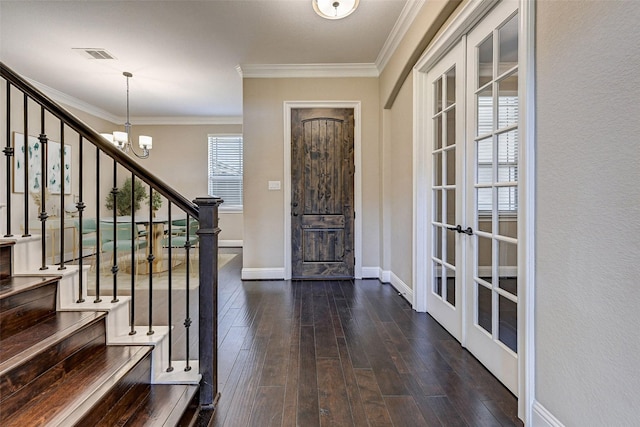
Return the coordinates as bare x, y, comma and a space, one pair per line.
184, 54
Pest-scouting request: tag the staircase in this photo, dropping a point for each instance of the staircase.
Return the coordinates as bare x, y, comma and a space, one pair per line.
70, 355
57, 367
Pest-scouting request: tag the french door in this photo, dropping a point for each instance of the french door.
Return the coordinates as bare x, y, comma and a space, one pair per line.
446, 117
472, 146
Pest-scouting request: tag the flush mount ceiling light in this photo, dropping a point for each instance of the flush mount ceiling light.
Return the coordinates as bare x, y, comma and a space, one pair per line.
335, 9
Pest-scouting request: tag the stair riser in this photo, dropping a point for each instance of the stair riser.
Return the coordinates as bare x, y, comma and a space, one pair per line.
5, 261
53, 362
27, 255
23, 310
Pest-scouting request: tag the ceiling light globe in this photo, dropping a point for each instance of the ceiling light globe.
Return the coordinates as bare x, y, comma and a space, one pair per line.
335, 9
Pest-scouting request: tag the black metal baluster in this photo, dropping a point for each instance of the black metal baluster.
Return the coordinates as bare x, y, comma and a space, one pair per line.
9, 153
134, 266
150, 258
114, 268
169, 295
43, 188
25, 163
62, 267
187, 320
98, 232
80, 206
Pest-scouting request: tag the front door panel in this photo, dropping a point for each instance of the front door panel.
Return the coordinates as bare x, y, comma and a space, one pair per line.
322, 168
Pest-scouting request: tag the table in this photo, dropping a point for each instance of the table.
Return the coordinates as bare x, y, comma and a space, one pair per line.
155, 234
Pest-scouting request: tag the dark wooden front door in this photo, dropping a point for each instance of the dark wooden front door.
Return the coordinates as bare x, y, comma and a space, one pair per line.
322, 169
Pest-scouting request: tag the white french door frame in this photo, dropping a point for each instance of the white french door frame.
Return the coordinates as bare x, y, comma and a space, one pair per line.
357, 177
465, 20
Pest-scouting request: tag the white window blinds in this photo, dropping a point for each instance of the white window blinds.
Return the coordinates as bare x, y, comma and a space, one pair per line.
225, 169
506, 152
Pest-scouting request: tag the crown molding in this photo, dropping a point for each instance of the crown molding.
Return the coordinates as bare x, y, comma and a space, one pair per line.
402, 25
71, 101
187, 120
307, 70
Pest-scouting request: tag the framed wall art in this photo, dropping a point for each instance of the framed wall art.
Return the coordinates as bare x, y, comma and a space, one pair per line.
56, 171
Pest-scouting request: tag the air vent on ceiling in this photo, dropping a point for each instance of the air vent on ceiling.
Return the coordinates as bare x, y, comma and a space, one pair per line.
94, 53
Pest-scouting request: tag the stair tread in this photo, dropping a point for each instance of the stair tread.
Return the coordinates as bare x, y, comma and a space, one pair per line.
17, 284
159, 405
27, 343
65, 401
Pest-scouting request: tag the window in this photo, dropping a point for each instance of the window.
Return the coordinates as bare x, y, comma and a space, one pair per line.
225, 169
507, 153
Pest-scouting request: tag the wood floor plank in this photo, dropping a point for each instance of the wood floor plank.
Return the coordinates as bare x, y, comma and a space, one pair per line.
293, 371
247, 387
326, 345
308, 413
274, 371
351, 383
332, 391
372, 400
445, 411
404, 411
267, 408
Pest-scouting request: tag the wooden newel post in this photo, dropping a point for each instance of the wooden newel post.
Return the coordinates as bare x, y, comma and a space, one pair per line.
208, 297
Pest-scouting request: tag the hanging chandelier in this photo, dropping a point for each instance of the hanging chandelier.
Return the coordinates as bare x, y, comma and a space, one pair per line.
335, 9
122, 140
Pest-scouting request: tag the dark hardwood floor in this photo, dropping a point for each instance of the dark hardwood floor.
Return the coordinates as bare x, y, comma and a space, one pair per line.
345, 353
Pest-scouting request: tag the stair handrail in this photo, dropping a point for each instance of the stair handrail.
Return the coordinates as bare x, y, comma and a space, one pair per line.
97, 140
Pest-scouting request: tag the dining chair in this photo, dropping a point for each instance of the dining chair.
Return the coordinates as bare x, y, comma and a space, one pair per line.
179, 237
89, 237
123, 241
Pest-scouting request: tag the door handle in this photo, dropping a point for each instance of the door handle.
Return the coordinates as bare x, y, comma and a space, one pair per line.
459, 229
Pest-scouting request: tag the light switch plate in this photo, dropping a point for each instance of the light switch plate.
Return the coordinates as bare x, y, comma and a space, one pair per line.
274, 185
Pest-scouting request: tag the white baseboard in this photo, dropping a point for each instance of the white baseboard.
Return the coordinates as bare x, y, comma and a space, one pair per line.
371, 272
262, 274
541, 417
230, 243
387, 276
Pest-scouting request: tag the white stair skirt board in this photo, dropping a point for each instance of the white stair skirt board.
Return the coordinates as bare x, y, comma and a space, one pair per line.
230, 243
263, 274
541, 417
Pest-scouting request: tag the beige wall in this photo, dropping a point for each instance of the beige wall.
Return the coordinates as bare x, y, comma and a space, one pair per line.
179, 157
398, 177
588, 211
264, 161
397, 143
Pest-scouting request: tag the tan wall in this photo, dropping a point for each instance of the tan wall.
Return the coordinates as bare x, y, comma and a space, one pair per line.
179, 157
396, 90
398, 176
588, 211
264, 160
